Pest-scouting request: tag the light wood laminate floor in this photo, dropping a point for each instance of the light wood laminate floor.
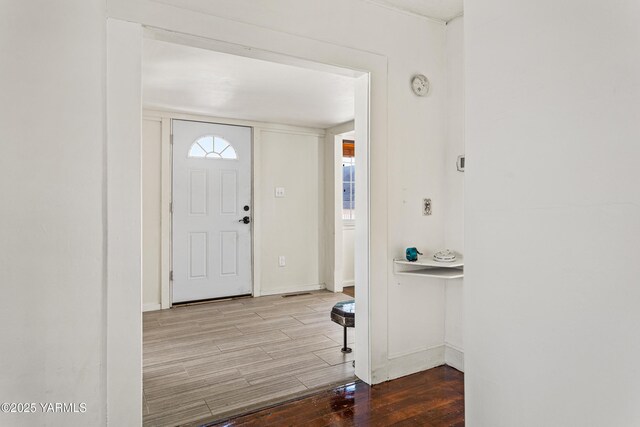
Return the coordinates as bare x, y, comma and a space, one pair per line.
208, 361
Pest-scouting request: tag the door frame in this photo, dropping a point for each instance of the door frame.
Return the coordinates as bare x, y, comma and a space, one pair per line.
333, 155
165, 118
361, 66
167, 170
369, 264
123, 276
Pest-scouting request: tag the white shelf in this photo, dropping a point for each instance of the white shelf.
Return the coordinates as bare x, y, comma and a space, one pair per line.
428, 267
430, 262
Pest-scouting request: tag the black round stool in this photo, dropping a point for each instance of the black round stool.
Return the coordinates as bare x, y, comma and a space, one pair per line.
344, 314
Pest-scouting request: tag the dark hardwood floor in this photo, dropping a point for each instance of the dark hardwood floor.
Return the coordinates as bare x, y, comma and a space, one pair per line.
349, 290
431, 398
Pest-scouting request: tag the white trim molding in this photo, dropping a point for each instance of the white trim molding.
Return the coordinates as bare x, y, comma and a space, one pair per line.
124, 224
154, 114
165, 222
454, 357
151, 307
417, 361
292, 289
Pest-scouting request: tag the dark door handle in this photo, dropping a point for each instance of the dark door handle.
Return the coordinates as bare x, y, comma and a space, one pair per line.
246, 220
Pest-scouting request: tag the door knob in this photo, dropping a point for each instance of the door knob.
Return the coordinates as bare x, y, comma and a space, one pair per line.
246, 220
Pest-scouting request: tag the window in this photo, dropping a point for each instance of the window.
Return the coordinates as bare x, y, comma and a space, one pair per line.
348, 180
212, 147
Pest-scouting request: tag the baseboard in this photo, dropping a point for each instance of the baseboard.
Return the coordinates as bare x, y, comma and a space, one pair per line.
291, 289
347, 283
407, 364
151, 307
454, 357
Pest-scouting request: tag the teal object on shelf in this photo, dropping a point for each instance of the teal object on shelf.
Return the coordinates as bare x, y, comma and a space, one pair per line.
412, 254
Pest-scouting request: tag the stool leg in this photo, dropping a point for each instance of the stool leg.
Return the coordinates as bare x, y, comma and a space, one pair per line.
345, 349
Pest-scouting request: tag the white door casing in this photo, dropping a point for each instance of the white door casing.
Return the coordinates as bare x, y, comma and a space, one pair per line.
211, 190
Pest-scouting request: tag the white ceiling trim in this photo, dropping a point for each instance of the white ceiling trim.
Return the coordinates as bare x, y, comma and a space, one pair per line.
406, 11
460, 15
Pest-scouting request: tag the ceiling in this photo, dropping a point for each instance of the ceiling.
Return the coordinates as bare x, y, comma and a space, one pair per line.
442, 10
193, 80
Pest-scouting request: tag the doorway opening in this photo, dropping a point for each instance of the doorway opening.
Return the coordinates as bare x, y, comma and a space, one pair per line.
213, 360
348, 204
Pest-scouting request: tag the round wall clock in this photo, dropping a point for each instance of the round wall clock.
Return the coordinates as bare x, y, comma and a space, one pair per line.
420, 85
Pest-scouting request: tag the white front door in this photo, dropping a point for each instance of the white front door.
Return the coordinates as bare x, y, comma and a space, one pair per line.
211, 210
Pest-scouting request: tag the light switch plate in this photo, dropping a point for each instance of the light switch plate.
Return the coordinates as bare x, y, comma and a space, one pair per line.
282, 261
426, 207
279, 191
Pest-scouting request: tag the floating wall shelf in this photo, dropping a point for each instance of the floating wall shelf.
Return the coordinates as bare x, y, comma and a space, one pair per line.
428, 267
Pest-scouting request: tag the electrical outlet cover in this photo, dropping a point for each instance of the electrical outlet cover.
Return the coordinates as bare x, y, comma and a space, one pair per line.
426, 207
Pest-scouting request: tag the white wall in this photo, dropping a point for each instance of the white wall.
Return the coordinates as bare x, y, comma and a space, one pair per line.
284, 156
552, 213
151, 212
348, 248
52, 241
290, 226
416, 170
407, 320
454, 194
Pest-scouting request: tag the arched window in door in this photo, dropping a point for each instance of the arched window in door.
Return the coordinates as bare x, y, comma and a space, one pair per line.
212, 147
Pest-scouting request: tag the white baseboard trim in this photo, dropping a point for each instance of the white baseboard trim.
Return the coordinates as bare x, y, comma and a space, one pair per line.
347, 283
454, 357
400, 366
290, 289
151, 307
406, 364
